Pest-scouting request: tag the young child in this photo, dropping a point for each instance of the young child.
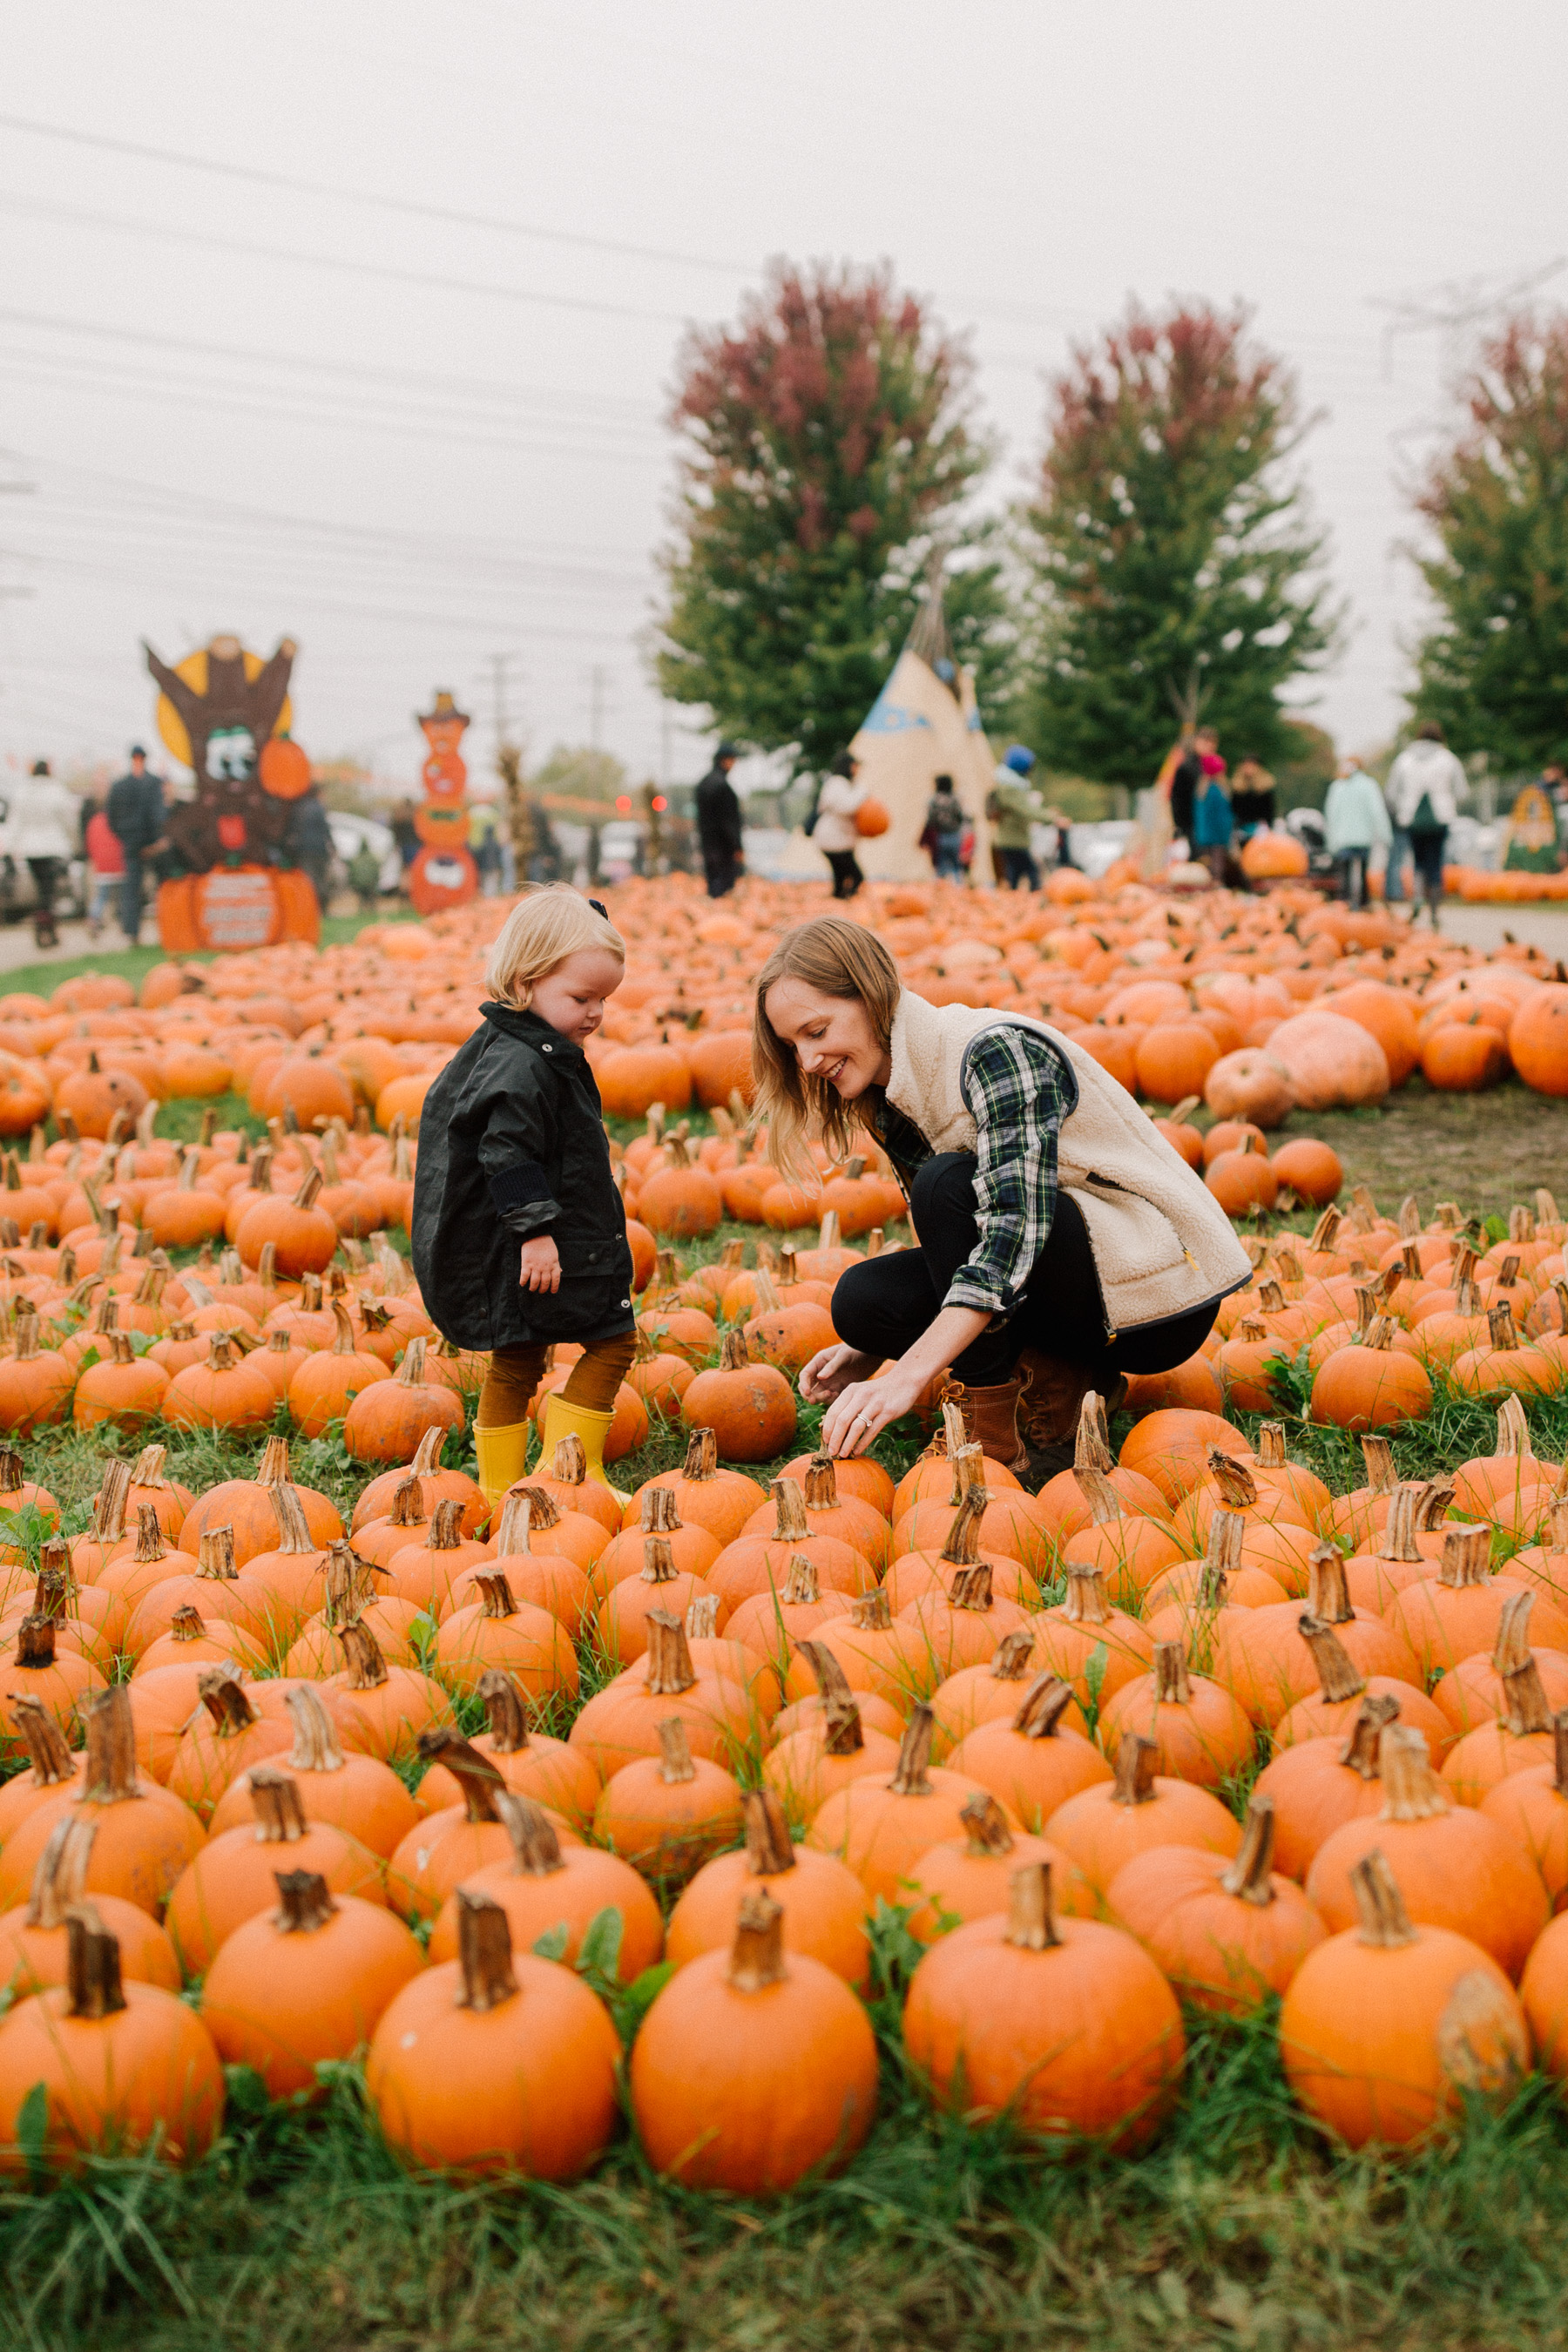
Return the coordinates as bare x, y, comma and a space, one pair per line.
519, 1235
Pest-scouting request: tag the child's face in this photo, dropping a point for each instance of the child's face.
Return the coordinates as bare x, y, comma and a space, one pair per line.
572, 994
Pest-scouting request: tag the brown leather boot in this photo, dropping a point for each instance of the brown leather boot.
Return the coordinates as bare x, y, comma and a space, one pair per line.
1054, 1391
991, 1416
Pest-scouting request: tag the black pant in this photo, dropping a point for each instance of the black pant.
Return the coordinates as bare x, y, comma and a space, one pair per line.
719, 865
846, 875
1351, 865
1426, 848
1018, 868
884, 1305
45, 874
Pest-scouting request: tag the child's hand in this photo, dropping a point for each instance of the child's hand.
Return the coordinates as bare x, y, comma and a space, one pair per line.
540, 1267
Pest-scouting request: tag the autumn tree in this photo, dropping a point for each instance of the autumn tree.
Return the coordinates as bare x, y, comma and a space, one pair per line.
1493, 667
1176, 575
825, 446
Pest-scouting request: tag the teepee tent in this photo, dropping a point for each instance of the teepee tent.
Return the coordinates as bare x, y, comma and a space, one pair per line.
923, 724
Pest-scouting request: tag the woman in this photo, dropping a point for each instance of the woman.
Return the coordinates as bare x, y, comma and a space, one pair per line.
1060, 1235
835, 832
943, 834
1213, 817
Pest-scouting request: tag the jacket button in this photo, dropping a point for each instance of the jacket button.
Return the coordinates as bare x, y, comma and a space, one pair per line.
548, 1049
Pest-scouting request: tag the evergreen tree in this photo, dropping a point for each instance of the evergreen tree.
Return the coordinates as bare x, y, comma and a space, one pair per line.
1493, 669
825, 448
1172, 561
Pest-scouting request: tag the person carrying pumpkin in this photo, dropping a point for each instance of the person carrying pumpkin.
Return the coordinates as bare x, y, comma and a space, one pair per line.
1063, 1243
519, 1235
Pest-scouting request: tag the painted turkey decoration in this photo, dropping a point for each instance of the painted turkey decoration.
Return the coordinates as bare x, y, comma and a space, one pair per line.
225, 712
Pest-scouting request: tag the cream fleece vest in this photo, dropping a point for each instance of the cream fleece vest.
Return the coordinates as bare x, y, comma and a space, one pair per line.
1161, 1243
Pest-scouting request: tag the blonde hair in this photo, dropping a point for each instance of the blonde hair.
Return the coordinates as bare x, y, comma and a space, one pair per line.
548, 923
837, 958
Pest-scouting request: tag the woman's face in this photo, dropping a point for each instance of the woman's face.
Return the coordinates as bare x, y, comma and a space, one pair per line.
832, 1036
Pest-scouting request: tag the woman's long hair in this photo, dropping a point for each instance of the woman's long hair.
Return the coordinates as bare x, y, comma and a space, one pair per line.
837, 959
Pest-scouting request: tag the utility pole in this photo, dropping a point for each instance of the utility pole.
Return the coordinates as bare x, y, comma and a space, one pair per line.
509, 768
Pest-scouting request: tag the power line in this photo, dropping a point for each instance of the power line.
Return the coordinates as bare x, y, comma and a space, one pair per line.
210, 241
406, 206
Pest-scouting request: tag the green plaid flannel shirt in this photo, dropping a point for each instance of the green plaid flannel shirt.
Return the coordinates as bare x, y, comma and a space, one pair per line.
1019, 1089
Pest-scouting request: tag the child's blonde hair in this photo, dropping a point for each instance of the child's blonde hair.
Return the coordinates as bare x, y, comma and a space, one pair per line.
549, 922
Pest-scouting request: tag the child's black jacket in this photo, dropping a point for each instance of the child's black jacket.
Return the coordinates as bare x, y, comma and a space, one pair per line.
512, 1143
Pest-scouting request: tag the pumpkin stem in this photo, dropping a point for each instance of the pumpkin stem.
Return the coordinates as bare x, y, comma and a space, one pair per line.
1095, 1487
669, 1667
109, 1772
304, 1902
1222, 1554
47, 1749
275, 1799
60, 1878
1248, 1877
1236, 1485
1271, 1445
408, 1503
1013, 1651
971, 1587
445, 1532
1399, 1531
1091, 1442
701, 1458
496, 1599
536, 1848
1360, 1752
543, 1511
1328, 1593
985, 1825
366, 1667
10, 1470
769, 1850
517, 1522
294, 1534
821, 1484
474, 1773
1031, 1918
315, 1748
1384, 1921
658, 1560
1338, 1677
188, 1623
411, 1371
756, 1956
657, 1513
1321, 1238
222, 1694
791, 1524
570, 1464
1172, 1688
1133, 1781
109, 1505
504, 1711
1467, 1557
1411, 1790
675, 1750
871, 1612
702, 1617
92, 1965
484, 1952
961, 1548
348, 1579
733, 1353
214, 1554
801, 1585
968, 1470
909, 1779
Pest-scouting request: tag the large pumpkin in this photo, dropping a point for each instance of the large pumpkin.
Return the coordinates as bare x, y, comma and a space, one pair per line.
1537, 1039
1331, 1062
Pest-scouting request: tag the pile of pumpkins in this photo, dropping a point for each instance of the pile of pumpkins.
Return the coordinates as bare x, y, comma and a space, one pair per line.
807, 1701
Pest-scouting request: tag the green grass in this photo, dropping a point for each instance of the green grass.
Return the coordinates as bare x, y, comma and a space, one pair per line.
1238, 2228
135, 963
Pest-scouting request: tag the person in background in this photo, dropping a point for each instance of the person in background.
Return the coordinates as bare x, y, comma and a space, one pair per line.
364, 876
1012, 806
136, 819
42, 828
719, 823
1355, 822
105, 866
1213, 817
308, 843
944, 831
1185, 779
835, 835
404, 833
1426, 788
487, 850
1251, 796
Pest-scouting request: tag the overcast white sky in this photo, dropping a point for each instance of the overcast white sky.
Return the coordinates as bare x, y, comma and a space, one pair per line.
416, 443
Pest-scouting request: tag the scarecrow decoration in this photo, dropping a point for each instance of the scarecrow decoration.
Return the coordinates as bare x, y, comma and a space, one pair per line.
443, 873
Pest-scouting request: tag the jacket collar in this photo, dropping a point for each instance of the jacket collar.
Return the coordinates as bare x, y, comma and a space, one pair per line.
530, 1030
914, 1046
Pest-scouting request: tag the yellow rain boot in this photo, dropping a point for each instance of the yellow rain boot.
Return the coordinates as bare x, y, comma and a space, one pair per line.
502, 1457
564, 1419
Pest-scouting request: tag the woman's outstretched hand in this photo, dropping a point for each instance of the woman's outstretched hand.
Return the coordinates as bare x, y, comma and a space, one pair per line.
865, 1409
832, 1369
